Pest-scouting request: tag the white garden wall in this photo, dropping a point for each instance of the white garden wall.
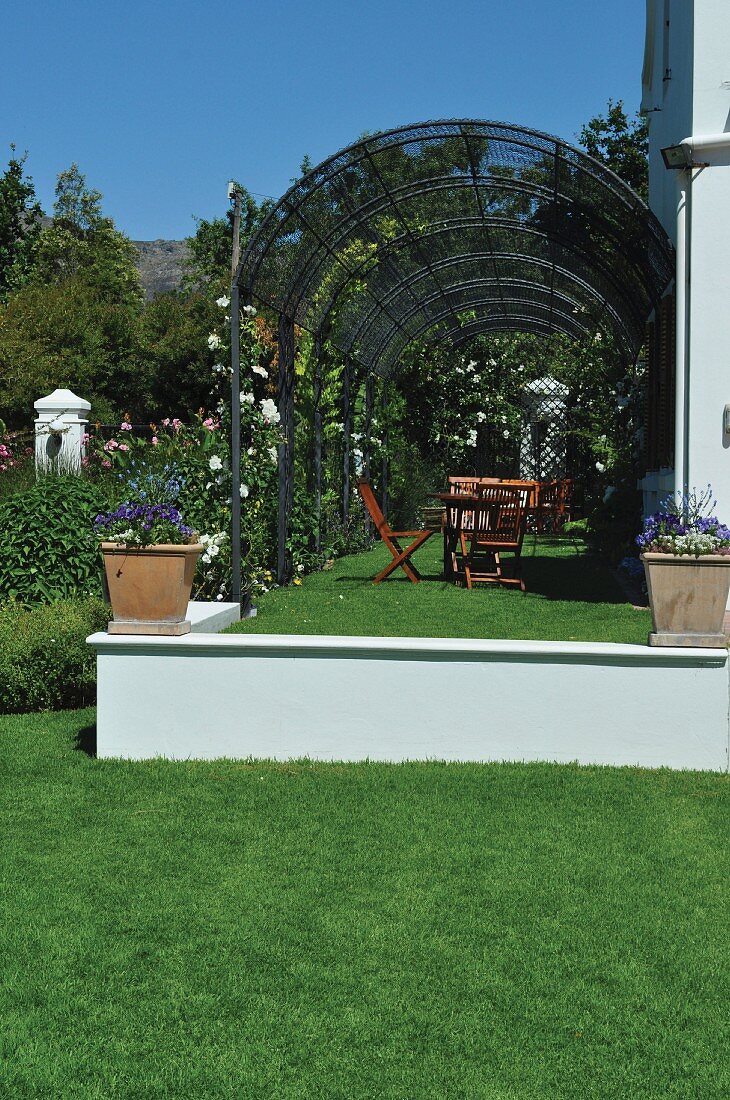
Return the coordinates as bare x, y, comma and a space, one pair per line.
209, 695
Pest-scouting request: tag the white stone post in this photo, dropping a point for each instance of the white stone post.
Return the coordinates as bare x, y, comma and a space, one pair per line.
60, 429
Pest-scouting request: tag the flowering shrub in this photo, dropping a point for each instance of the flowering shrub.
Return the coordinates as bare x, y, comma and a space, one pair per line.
143, 525
683, 527
188, 466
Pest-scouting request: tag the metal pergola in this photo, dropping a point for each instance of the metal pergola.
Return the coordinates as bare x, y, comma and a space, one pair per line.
442, 231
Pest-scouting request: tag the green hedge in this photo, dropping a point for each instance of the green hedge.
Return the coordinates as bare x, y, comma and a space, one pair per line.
48, 549
45, 663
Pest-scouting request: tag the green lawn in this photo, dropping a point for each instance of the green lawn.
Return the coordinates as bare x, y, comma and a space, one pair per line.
215, 930
571, 596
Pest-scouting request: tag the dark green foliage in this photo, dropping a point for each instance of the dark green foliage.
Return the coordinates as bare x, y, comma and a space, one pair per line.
622, 144
20, 223
45, 663
48, 549
242, 930
210, 249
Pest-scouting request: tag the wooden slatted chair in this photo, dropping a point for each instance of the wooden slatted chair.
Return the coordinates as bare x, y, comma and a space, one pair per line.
499, 521
391, 538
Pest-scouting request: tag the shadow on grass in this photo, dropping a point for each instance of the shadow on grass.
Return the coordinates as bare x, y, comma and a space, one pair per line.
585, 580
85, 740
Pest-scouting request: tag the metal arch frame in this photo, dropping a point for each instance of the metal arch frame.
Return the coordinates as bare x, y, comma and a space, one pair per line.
589, 219
535, 261
400, 136
562, 322
304, 283
448, 227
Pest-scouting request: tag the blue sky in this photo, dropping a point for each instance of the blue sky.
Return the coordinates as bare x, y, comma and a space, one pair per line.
161, 103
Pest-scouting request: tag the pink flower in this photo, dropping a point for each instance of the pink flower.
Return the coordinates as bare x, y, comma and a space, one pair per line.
209, 423
155, 441
125, 426
106, 463
166, 422
123, 447
111, 445
177, 424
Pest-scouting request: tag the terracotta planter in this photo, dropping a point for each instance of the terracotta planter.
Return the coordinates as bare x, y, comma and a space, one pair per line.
150, 586
688, 597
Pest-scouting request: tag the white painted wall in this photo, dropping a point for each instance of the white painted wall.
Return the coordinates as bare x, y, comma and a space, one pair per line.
336, 698
695, 101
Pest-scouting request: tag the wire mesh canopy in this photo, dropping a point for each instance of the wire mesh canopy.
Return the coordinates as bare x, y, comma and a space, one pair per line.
445, 230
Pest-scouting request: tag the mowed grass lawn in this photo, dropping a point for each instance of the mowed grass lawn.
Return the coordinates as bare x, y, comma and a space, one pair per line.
571, 596
244, 929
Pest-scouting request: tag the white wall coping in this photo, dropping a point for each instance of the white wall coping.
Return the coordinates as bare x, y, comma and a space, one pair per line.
411, 648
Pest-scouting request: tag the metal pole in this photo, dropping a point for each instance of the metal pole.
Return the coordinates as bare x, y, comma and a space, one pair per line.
369, 397
318, 439
235, 445
384, 474
235, 407
346, 433
286, 448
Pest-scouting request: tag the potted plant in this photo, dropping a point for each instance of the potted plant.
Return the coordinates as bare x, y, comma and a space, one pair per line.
149, 560
686, 556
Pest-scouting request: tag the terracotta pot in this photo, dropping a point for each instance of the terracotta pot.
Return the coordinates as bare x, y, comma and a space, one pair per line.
688, 597
150, 586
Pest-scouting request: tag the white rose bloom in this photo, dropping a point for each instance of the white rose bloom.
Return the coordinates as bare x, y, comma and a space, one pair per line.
215, 463
481, 417
600, 467
274, 454
246, 398
250, 451
505, 433
269, 409
244, 492
260, 370
223, 302
471, 439
214, 341
250, 311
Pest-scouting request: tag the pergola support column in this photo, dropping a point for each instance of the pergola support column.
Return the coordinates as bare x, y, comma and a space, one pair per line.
384, 471
346, 434
318, 439
285, 402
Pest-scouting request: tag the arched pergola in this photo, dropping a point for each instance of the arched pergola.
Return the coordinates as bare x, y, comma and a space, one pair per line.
442, 231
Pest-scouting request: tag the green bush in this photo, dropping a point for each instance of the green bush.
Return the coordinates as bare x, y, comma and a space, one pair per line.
48, 549
45, 663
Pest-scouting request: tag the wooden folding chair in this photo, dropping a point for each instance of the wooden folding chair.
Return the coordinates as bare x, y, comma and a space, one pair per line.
499, 520
391, 538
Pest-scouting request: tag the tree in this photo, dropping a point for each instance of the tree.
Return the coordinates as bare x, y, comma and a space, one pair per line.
210, 249
82, 243
622, 144
20, 224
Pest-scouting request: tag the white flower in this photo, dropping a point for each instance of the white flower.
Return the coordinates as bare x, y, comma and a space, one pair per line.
505, 433
274, 454
250, 311
215, 463
223, 302
246, 398
481, 416
244, 491
251, 451
471, 439
270, 411
600, 467
471, 364
300, 568
260, 370
492, 362
214, 341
